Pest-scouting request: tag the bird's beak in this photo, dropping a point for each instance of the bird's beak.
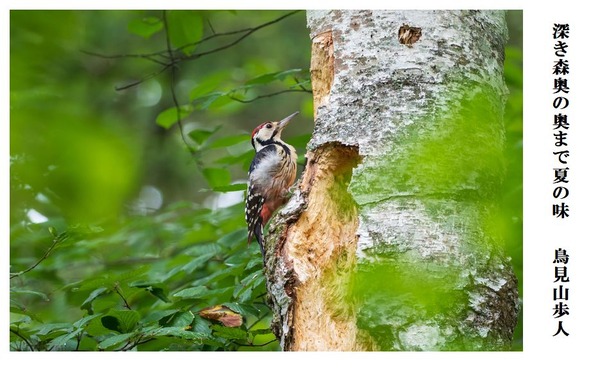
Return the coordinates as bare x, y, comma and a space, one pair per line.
283, 123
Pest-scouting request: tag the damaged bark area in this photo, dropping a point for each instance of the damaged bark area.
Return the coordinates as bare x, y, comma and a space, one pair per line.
310, 259
321, 68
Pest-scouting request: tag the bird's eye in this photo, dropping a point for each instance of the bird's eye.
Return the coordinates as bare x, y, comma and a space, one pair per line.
269, 125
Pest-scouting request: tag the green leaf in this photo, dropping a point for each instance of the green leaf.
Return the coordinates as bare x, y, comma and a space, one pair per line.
185, 29
19, 318
145, 27
202, 326
111, 322
243, 291
217, 177
180, 333
230, 187
199, 136
122, 321
61, 341
234, 238
193, 293
232, 270
168, 117
114, 340
158, 315
229, 333
204, 101
29, 292
199, 261
21, 310
256, 261
201, 292
87, 304
157, 289
220, 101
229, 141
242, 158
178, 320
49, 328
85, 320
109, 280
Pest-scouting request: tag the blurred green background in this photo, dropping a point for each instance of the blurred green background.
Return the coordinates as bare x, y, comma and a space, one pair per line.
138, 222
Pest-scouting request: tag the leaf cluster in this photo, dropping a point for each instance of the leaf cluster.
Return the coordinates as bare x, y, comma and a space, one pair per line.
152, 276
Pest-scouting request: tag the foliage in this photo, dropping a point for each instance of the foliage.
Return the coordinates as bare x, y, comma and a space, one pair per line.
136, 286
127, 228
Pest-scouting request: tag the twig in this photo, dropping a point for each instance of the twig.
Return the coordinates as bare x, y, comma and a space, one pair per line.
267, 95
249, 31
149, 57
169, 53
145, 78
254, 345
299, 84
131, 345
173, 82
118, 291
57, 240
79, 337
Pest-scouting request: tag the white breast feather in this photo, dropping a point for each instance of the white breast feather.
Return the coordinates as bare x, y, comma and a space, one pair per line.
263, 172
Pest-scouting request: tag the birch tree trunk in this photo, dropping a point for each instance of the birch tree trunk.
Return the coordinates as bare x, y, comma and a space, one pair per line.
388, 242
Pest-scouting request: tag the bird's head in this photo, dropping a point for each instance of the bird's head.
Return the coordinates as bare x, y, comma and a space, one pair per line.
269, 132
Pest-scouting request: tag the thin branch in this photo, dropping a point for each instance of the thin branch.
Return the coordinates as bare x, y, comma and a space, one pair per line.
170, 60
57, 240
299, 84
254, 345
118, 291
173, 83
267, 95
149, 57
22, 338
131, 345
145, 78
79, 337
250, 31
165, 53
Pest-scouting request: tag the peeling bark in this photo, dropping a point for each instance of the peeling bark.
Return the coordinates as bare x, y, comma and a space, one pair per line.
388, 241
321, 68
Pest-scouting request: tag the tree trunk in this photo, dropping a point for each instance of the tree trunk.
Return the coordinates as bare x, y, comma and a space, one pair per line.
388, 243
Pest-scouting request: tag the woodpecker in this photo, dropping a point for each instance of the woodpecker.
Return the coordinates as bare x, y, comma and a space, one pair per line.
271, 174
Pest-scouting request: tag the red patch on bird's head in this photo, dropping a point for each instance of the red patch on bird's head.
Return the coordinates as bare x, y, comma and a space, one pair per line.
257, 128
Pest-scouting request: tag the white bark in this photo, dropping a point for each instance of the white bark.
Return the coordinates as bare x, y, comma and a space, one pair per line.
408, 241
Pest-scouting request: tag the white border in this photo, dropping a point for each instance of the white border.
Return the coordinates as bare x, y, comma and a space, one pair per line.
568, 363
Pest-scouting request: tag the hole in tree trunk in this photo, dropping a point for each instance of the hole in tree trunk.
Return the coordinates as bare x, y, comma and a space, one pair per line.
408, 35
